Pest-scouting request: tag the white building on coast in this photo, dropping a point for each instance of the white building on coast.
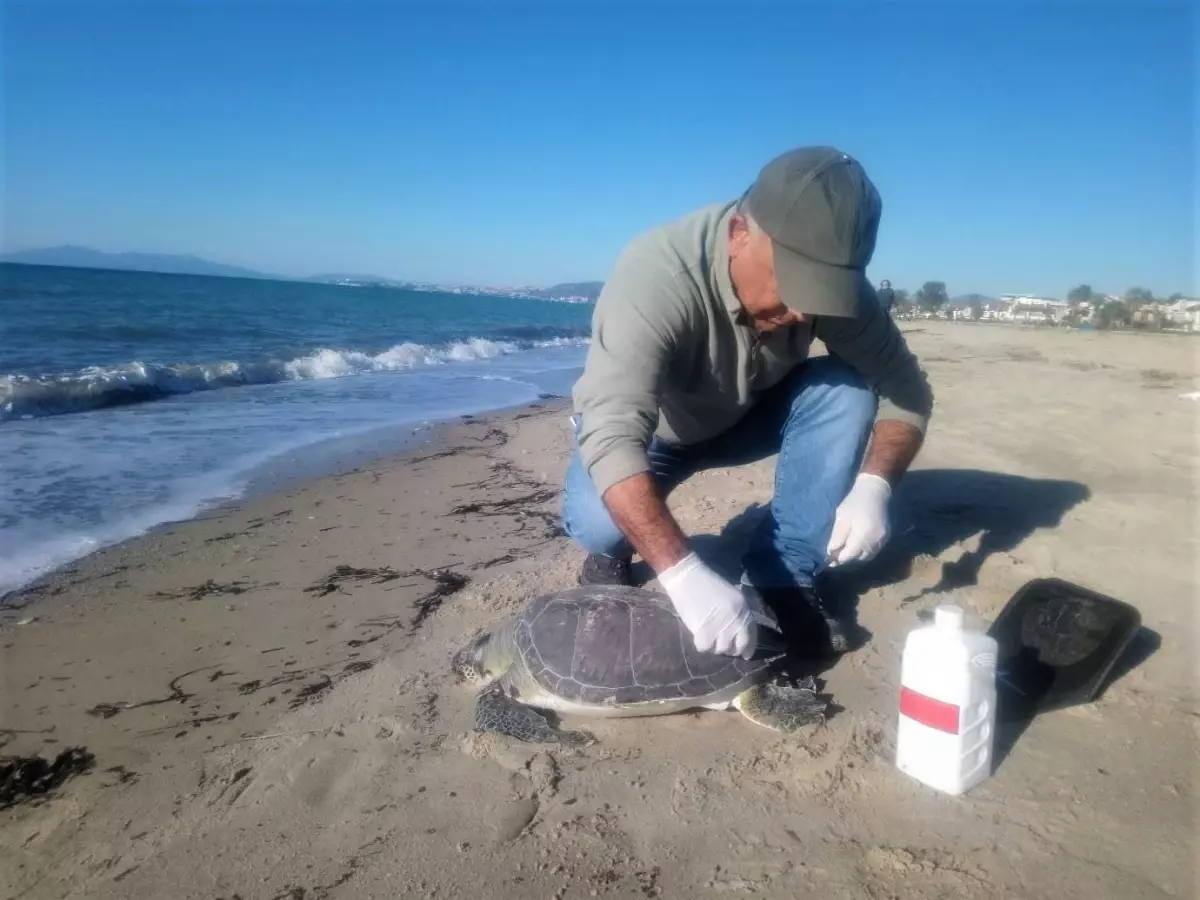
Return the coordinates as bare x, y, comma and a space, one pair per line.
1029, 308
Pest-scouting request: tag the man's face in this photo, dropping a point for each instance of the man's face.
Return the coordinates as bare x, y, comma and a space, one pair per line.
752, 269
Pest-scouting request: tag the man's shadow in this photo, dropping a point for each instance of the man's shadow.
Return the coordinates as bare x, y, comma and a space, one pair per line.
934, 510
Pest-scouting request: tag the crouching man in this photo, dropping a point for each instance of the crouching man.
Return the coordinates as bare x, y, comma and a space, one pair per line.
700, 358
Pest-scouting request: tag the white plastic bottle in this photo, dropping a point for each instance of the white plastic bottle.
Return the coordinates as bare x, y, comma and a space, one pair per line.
947, 704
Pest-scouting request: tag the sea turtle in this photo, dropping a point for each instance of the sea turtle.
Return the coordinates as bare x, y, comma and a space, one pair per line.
609, 651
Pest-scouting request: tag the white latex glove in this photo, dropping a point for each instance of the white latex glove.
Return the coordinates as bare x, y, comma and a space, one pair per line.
860, 527
714, 610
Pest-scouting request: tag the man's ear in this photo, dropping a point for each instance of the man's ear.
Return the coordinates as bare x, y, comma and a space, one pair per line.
739, 233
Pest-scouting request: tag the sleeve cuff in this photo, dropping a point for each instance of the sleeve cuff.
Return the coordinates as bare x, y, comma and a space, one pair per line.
615, 466
890, 412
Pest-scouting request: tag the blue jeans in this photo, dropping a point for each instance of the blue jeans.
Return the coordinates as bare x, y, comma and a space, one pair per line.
818, 420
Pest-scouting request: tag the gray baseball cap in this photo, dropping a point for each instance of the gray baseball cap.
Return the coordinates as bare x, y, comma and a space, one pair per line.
821, 212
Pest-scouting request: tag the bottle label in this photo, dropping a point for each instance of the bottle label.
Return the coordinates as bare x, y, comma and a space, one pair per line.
934, 713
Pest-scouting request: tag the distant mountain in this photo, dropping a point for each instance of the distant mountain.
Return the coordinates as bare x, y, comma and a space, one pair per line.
588, 289
86, 258
972, 298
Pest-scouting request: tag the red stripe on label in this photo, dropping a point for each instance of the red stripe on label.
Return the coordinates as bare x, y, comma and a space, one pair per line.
934, 713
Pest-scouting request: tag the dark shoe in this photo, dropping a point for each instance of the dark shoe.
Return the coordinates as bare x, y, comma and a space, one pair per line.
807, 624
599, 569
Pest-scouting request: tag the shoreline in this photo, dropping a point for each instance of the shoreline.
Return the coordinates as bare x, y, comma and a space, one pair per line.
268, 697
303, 465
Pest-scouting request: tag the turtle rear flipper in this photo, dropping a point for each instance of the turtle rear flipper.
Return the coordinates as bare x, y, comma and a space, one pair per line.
783, 707
496, 711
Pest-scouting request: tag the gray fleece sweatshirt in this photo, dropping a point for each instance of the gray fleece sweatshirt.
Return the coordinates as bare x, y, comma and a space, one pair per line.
674, 354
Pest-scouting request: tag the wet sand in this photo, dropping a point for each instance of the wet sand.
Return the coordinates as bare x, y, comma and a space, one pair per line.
266, 693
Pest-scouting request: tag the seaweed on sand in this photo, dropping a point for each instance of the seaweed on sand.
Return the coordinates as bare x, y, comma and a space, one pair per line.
209, 588
500, 507
522, 508
444, 581
312, 691
342, 574
445, 584
176, 695
26, 779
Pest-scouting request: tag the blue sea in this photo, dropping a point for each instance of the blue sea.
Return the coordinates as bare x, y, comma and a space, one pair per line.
130, 399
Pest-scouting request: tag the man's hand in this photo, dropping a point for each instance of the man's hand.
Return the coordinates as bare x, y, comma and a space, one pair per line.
714, 610
860, 527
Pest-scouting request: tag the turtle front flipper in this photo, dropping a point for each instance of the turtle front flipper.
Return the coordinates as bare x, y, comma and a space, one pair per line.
783, 707
496, 711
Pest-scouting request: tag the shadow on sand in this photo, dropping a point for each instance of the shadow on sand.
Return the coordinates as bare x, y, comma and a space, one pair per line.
933, 511
1015, 710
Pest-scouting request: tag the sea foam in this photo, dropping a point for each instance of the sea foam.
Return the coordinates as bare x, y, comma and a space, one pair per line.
96, 387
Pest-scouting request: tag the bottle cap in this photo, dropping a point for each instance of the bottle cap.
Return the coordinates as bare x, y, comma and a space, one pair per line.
948, 617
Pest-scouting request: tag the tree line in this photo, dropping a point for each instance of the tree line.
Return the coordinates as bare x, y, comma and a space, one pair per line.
1107, 312
930, 298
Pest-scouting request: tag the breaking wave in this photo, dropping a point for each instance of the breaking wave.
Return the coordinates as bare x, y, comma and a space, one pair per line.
97, 387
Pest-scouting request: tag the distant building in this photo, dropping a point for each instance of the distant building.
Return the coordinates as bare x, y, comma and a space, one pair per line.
1150, 314
1183, 314
1082, 311
1029, 308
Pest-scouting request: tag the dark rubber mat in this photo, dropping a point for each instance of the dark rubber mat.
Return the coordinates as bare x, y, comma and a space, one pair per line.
1058, 644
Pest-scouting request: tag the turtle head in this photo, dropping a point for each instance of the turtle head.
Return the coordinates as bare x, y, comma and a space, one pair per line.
477, 662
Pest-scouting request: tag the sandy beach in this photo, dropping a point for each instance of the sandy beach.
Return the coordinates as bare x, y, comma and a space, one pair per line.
267, 698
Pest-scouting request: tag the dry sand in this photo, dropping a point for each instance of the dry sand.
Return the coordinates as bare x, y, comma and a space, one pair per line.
297, 744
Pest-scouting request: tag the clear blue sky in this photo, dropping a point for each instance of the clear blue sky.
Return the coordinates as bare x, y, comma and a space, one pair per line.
1018, 146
